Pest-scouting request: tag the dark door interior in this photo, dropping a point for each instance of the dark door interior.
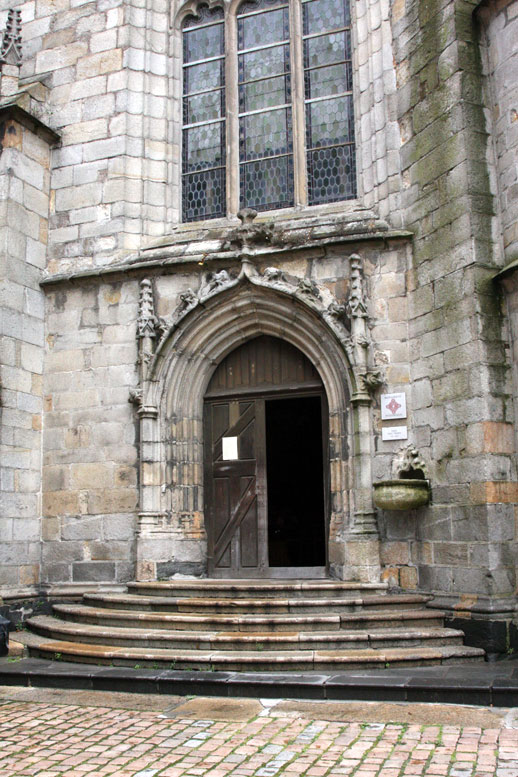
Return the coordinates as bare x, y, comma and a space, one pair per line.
295, 482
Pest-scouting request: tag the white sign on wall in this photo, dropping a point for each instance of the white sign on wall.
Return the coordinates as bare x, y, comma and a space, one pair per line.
394, 433
393, 406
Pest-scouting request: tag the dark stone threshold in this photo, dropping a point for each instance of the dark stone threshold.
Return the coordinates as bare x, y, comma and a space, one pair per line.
479, 684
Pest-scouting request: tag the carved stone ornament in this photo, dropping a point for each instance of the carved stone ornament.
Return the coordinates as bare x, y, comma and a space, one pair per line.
407, 462
11, 48
135, 396
336, 310
147, 321
215, 282
309, 288
188, 299
320, 300
248, 233
356, 306
371, 380
272, 274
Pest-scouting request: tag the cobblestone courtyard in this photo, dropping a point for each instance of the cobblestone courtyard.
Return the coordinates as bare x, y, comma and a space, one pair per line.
67, 733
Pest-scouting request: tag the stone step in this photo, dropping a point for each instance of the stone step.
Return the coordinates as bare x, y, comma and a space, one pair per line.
298, 660
322, 605
236, 641
350, 621
262, 589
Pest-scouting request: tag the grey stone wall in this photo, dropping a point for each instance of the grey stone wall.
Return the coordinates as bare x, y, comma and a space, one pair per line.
89, 446
499, 30
463, 416
24, 202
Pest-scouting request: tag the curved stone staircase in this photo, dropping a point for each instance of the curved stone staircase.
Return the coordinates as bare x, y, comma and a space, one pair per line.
236, 625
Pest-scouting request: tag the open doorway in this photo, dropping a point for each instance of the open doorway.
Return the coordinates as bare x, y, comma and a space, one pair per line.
295, 482
265, 469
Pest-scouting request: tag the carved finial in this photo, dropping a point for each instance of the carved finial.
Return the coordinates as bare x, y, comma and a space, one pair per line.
11, 48
356, 305
248, 233
246, 216
147, 320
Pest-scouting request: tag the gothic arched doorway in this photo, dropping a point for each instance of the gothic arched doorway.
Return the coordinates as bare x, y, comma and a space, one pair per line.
265, 427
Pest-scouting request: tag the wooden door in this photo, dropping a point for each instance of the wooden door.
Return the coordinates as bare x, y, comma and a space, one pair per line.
235, 479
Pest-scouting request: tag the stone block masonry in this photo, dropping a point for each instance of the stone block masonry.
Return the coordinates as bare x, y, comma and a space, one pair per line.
89, 467
24, 204
455, 322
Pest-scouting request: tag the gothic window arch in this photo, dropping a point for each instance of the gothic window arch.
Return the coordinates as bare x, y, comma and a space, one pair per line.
268, 117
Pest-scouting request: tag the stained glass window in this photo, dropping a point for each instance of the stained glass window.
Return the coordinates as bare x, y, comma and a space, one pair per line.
270, 119
265, 112
331, 167
203, 183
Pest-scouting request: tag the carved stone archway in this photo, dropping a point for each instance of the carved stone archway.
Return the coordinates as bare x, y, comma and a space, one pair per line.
174, 375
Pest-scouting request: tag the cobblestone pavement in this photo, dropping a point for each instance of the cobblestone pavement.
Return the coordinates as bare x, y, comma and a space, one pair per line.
60, 734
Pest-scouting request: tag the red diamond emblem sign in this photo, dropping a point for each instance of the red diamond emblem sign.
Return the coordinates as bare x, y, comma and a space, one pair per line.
393, 406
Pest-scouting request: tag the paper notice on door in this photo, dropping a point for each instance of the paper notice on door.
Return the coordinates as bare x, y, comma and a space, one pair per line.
229, 448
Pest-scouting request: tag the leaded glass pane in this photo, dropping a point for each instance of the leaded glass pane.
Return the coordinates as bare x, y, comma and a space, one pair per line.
268, 183
331, 174
265, 134
324, 81
202, 107
201, 78
266, 93
330, 122
203, 147
202, 43
327, 49
322, 15
262, 29
204, 195
203, 154
261, 64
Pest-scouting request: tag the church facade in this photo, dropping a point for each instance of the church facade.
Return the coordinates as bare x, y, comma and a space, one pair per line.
257, 257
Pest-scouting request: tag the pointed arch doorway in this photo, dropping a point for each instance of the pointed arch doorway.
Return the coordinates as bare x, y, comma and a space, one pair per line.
265, 464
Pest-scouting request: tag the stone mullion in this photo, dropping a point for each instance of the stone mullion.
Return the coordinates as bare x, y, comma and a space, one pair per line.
297, 85
232, 111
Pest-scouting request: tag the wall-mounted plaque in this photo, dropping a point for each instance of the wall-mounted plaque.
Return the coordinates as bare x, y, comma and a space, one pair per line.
393, 406
394, 433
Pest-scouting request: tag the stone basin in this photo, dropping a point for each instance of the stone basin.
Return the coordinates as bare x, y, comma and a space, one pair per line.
401, 493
